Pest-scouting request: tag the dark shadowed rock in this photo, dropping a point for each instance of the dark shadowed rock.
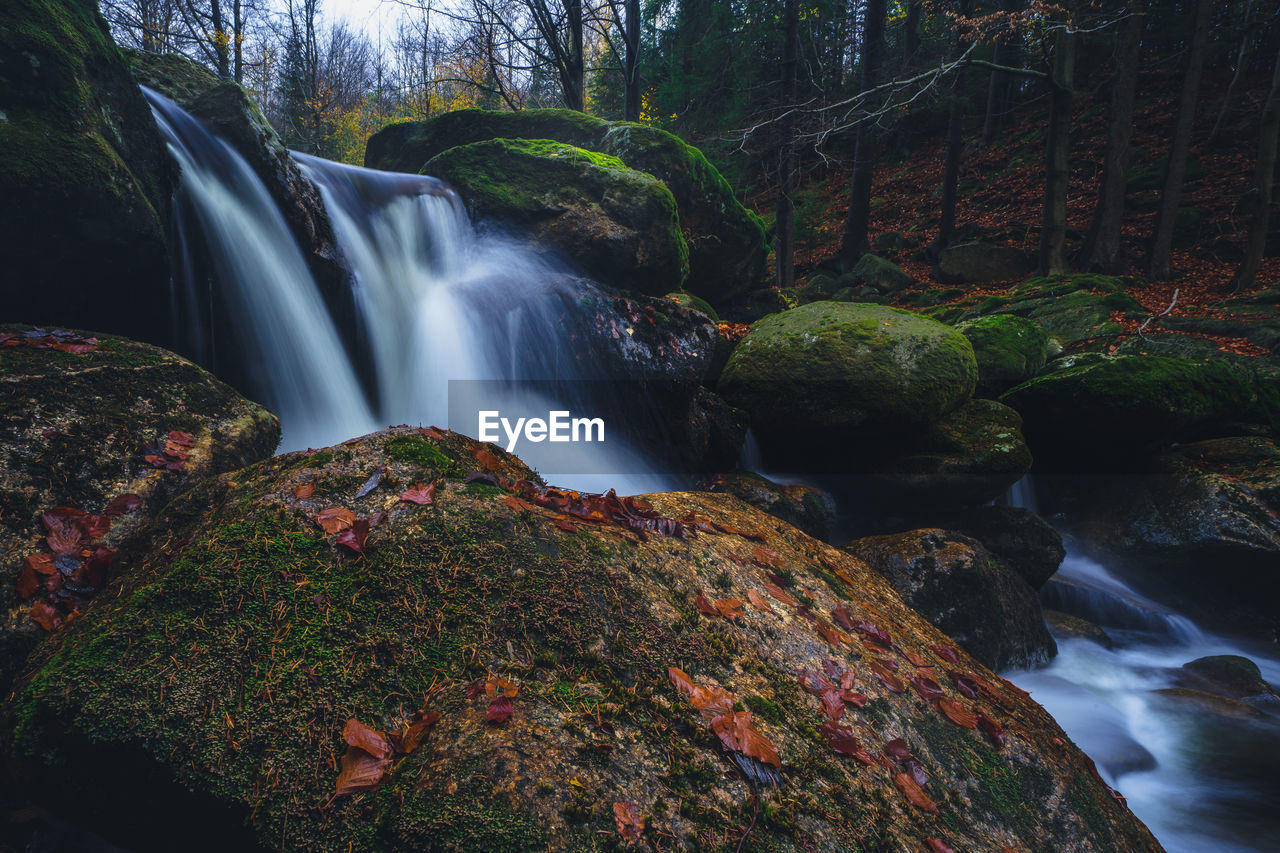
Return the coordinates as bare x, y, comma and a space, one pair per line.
808, 508
983, 262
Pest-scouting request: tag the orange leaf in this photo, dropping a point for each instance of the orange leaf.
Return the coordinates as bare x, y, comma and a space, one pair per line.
407, 741
419, 494
704, 604
736, 732
780, 594
335, 519
956, 713
361, 772
372, 741
500, 687
832, 635
630, 823
304, 491
486, 460
729, 608
758, 601
45, 615
914, 793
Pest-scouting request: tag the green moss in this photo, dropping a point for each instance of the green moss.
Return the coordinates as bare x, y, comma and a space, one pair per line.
767, 710
420, 452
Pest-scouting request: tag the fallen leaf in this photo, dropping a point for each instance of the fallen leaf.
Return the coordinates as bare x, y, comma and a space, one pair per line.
704, 604
947, 653
843, 617
123, 504
993, 730
46, 615
630, 823
914, 793
898, 750
424, 495
937, 845
916, 660
304, 491
406, 742
354, 538
372, 741
832, 704
841, 739
181, 438
729, 608
737, 732
780, 594
360, 772
886, 676
487, 460
495, 687
956, 713
500, 709
335, 519
832, 635
874, 632
758, 601
814, 682
926, 687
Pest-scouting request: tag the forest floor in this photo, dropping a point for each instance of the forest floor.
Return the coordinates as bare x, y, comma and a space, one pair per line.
1001, 190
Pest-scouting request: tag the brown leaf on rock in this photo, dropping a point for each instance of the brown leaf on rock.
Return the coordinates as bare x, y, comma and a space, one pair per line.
729, 608
709, 701
832, 635
758, 601
840, 738
832, 704
916, 660
947, 653
495, 687
500, 710
704, 604
914, 793
781, 594
516, 503
426, 495
874, 633
486, 459
937, 845
46, 615
123, 504
843, 617
737, 732
851, 697
93, 526
956, 713
765, 558
407, 741
335, 519
814, 682
993, 730
629, 821
304, 491
361, 771
898, 750
372, 741
181, 438
354, 538
926, 687
886, 677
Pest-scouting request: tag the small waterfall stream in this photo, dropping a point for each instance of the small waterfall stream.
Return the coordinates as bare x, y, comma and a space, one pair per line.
1204, 781
435, 304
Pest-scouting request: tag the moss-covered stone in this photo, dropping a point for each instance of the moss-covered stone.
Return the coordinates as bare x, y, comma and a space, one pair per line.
726, 241
1009, 350
829, 369
1232, 676
697, 303
215, 680
619, 225
71, 432
983, 262
85, 179
876, 272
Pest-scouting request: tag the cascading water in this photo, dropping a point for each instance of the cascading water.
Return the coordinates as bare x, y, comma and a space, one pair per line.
1203, 779
435, 304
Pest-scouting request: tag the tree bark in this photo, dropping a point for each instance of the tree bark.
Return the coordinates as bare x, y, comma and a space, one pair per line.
1102, 247
1159, 262
999, 88
1252, 29
785, 207
631, 69
955, 141
855, 243
913, 29
1053, 229
1263, 179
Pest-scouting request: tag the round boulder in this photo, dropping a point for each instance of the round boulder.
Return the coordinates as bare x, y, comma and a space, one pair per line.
1009, 350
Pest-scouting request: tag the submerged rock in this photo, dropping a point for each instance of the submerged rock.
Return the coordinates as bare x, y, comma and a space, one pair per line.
1233, 676
726, 242
955, 583
619, 225
74, 432
1064, 626
214, 681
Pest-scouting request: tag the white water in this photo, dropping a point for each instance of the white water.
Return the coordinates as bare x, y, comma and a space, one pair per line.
1202, 782
434, 303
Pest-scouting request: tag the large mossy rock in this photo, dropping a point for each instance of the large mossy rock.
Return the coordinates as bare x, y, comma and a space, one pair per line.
726, 241
72, 429
956, 583
84, 176
1009, 349
1104, 409
235, 117
619, 225
983, 262
215, 681
832, 370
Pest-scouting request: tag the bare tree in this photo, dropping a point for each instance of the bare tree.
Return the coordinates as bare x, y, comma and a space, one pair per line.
1264, 178
149, 25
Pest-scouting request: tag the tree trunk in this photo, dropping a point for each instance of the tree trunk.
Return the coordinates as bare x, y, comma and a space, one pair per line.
1053, 229
913, 29
955, 141
573, 73
1251, 31
631, 37
785, 208
1103, 244
1159, 263
237, 34
999, 89
1263, 179
855, 243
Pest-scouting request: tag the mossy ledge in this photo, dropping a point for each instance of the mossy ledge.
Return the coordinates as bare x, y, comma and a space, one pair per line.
226, 662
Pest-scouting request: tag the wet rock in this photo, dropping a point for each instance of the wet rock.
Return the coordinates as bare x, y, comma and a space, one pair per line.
806, 507
957, 585
1009, 349
73, 428
1022, 540
1233, 676
1212, 703
884, 276
226, 669
616, 224
1064, 626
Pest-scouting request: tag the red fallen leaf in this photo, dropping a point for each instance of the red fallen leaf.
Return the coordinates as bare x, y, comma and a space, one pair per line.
426, 495
729, 608
780, 594
898, 750
360, 772
814, 682
843, 617
832, 704
77, 349
848, 679
916, 769
833, 669
354, 538
64, 536
914, 793
937, 845
758, 601
34, 568
926, 687
993, 730
886, 676
704, 604
176, 451
432, 432
335, 519
737, 733
372, 741
305, 491
745, 534
874, 632
486, 460
565, 524
93, 526
123, 504
710, 701
840, 738
855, 699
916, 660
181, 438
500, 710
956, 713
967, 684
765, 558
891, 665
947, 653
833, 636
46, 616
736, 559
517, 503
406, 742
475, 688
630, 823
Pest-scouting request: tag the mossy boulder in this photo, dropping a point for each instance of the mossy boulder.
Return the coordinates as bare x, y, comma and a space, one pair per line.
806, 507
873, 271
955, 583
215, 680
72, 429
1105, 409
832, 370
1009, 350
697, 303
1064, 626
1232, 676
617, 224
85, 179
726, 241
233, 114
983, 262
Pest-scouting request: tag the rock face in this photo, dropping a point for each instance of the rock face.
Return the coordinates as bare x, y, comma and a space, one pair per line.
828, 369
955, 583
1009, 349
982, 262
84, 176
71, 429
223, 669
1022, 541
807, 508
620, 225
726, 243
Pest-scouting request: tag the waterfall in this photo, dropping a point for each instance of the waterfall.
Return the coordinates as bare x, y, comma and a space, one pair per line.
435, 304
